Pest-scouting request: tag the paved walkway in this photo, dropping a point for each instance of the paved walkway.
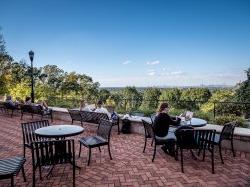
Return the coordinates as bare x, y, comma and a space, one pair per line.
129, 167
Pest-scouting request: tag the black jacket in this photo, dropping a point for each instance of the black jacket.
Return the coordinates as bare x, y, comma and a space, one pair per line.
162, 122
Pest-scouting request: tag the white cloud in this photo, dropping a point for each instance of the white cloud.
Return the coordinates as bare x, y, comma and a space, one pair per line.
126, 62
153, 62
176, 73
151, 72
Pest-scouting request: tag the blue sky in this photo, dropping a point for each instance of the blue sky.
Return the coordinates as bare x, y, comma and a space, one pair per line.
133, 42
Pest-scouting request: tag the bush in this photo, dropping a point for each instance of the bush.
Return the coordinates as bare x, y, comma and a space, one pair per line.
221, 120
208, 116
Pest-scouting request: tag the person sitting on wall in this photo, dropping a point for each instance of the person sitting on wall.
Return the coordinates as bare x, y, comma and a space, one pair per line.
28, 101
44, 106
161, 126
83, 106
101, 109
10, 102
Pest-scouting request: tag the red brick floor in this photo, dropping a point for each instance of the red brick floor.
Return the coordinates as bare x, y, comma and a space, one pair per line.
129, 167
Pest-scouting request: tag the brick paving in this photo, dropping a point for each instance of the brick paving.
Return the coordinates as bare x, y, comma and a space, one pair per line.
129, 167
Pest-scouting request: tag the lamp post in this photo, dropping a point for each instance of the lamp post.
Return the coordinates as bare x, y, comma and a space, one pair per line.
31, 55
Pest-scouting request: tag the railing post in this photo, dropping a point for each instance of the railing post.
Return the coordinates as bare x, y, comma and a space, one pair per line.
214, 109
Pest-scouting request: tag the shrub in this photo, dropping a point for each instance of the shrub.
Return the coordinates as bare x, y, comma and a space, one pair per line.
221, 120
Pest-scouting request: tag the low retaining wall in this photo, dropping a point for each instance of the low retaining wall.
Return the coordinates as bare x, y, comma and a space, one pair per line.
241, 135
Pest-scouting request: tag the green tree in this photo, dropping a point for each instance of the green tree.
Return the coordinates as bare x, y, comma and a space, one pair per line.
172, 96
104, 94
131, 97
150, 99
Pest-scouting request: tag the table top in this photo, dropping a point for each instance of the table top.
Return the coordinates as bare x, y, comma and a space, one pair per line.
59, 131
195, 122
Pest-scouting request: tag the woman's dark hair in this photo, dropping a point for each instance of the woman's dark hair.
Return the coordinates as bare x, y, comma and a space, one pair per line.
162, 107
27, 99
99, 102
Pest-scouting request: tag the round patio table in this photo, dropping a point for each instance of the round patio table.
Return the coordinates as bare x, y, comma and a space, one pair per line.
194, 122
59, 131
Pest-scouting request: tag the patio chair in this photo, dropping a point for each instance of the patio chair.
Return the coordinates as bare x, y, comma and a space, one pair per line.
29, 135
227, 133
10, 107
101, 138
51, 153
149, 133
199, 139
75, 116
10, 167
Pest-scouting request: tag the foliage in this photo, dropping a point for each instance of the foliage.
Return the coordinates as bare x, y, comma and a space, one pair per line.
222, 120
150, 99
172, 96
104, 95
218, 96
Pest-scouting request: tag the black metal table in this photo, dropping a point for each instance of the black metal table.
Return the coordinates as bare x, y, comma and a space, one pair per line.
59, 131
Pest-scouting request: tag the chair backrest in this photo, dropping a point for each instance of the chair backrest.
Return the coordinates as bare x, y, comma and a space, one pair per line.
148, 129
188, 138
9, 106
36, 109
26, 108
54, 152
228, 131
29, 128
104, 129
86, 116
97, 116
152, 117
75, 115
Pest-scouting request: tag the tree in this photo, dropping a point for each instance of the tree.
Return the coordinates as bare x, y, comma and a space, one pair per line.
150, 99
104, 94
132, 98
172, 96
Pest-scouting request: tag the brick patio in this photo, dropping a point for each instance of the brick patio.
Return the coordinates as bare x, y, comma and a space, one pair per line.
129, 167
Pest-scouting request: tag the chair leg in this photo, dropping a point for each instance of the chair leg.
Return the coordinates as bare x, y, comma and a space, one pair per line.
12, 113
118, 128
99, 149
152, 142
204, 154
80, 150
212, 154
182, 168
12, 181
74, 174
109, 152
21, 116
221, 158
24, 177
40, 172
24, 151
34, 177
176, 153
154, 153
89, 156
145, 144
232, 146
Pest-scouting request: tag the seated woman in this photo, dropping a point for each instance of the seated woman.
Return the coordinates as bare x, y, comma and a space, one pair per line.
161, 126
10, 102
44, 106
28, 101
101, 109
83, 106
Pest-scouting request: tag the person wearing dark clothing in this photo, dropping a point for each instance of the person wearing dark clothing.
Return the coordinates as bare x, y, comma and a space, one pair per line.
161, 126
162, 123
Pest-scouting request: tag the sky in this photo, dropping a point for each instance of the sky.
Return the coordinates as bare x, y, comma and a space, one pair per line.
133, 42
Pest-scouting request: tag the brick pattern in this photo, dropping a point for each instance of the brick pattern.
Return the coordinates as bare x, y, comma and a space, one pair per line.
129, 167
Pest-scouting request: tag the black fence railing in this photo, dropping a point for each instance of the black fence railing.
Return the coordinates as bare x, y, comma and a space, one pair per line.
150, 106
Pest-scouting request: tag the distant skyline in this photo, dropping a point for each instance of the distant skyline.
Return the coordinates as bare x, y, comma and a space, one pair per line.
134, 42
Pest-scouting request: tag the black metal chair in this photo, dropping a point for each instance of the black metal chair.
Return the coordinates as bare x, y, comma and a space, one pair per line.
10, 107
199, 139
149, 133
51, 153
101, 138
75, 116
10, 167
29, 135
227, 133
